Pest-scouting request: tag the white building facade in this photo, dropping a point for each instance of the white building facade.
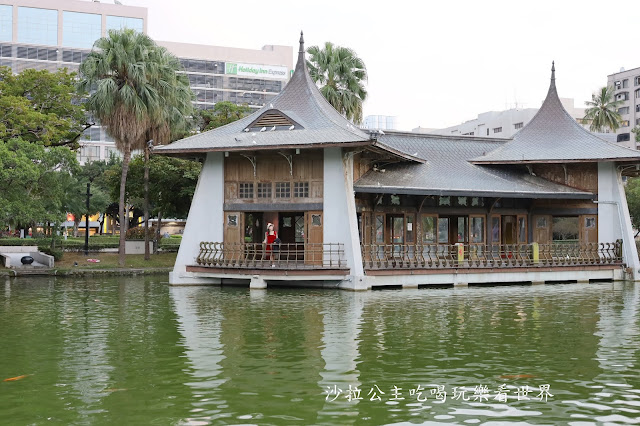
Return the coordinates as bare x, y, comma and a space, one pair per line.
626, 85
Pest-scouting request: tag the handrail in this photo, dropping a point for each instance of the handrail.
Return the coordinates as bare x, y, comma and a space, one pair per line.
442, 256
282, 256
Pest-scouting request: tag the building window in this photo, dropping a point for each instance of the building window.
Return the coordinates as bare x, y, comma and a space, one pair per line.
497, 130
623, 96
477, 229
301, 189
623, 110
80, 29
444, 201
232, 219
623, 137
111, 152
6, 22
589, 222
624, 123
637, 121
88, 153
625, 83
487, 132
264, 190
37, 26
316, 220
617, 84
638, 108
518, 125
565, 228
246, 190
541, 222
637, 93
637, 80
283, 190
122, 22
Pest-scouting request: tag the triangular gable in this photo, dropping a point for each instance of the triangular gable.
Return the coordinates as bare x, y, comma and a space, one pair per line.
274, 119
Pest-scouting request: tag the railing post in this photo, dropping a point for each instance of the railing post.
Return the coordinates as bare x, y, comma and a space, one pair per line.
535, 251
460, 253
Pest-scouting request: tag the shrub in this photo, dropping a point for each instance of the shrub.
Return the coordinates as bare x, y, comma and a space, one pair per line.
137, 233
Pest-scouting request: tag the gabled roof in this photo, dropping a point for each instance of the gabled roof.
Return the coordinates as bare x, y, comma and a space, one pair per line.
448, 171
553, 136
314, 122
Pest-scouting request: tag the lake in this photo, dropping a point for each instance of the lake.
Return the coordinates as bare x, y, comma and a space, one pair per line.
133, 350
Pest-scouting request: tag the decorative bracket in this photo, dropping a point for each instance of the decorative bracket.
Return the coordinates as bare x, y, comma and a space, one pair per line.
252, 159
289, 159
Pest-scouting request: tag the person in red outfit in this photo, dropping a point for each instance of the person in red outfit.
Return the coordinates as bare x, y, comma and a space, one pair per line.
269, 238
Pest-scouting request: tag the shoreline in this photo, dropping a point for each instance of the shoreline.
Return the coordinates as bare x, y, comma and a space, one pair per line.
57, 272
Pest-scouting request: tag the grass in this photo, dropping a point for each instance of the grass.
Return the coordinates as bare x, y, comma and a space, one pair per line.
110, 260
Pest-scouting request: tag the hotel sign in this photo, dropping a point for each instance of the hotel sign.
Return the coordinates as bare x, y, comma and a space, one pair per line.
251, 70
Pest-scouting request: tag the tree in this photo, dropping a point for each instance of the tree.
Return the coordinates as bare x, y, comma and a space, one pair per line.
339, 72
41, 107
632, 190
224, 112
636, 132
602, 111
132, 85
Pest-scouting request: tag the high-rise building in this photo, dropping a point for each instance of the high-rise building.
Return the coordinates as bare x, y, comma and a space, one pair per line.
60, 33
380, 122
626, 85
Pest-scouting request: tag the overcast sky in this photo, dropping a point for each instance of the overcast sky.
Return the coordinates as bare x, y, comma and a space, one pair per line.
431, 63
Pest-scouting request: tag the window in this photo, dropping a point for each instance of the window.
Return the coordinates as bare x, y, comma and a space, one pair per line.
477, 229
443, 230
637, 81
497, 130
121, 22
264, 190
518, 125
88, 153
111, 151
477, 202
589, 222
6, 22
444, 201
461, 201
624, 123
37, 26
487, 132
623, 110
638, 108
232, 219
541, 222
299, 229
637, 92
623, 137
637, 121
428, 229
301, 189
379, 228
283, 190
617, 84
246, 190
623, 96
625, 83
316, 220
80, 29
522, 229
565, 228
410, 232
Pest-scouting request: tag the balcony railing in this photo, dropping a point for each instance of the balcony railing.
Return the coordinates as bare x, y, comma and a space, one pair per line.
281, 256
443, 256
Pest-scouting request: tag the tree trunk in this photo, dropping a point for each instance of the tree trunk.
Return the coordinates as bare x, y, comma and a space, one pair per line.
155, 246
147, 255
76, 223
123, 182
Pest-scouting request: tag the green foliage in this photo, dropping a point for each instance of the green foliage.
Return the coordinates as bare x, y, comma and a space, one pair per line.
340, 73
41, 107
35, 181
223, 113
636, 132
602, 111
137, 233
632, 191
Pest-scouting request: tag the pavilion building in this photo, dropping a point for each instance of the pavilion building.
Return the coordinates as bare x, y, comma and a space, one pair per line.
361, 210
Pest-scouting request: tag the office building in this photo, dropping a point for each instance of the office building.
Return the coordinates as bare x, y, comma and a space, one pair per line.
380, 122
60, 33
626, 85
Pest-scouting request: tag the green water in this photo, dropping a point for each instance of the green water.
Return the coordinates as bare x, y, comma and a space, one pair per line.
134, 351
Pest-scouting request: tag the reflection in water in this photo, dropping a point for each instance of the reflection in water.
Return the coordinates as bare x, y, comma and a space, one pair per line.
135, 351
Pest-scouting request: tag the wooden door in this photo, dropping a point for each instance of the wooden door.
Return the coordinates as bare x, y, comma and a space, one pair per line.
314, 239
233, 236
588, 228
542, 229
509, 234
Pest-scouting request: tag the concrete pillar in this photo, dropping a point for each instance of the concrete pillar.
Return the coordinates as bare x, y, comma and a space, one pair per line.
613, 215
257, 282
340, 220
205, 221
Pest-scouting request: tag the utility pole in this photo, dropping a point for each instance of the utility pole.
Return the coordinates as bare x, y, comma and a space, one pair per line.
86, 222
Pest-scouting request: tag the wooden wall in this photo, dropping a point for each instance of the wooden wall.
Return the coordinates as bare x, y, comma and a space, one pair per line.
582, 176
271, 168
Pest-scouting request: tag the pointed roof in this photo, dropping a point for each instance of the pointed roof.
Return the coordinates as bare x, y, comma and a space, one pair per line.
298, 117
553, 136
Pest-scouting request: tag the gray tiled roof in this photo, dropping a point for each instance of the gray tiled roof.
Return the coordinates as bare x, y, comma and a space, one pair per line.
449, 172
554, 136
302, 101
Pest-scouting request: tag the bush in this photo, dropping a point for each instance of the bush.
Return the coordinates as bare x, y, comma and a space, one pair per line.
137, 233
56, 253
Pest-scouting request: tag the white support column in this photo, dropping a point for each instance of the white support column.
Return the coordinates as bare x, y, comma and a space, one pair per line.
613, 214
340, 220
205, 221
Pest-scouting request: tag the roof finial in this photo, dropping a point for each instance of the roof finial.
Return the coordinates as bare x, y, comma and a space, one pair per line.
553, 70
301, 43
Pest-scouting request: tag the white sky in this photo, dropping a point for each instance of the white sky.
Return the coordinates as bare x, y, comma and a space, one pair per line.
431, 63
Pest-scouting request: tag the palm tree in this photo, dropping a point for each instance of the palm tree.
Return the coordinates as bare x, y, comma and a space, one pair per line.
603, 111
125, 96
171, 123
340, 73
